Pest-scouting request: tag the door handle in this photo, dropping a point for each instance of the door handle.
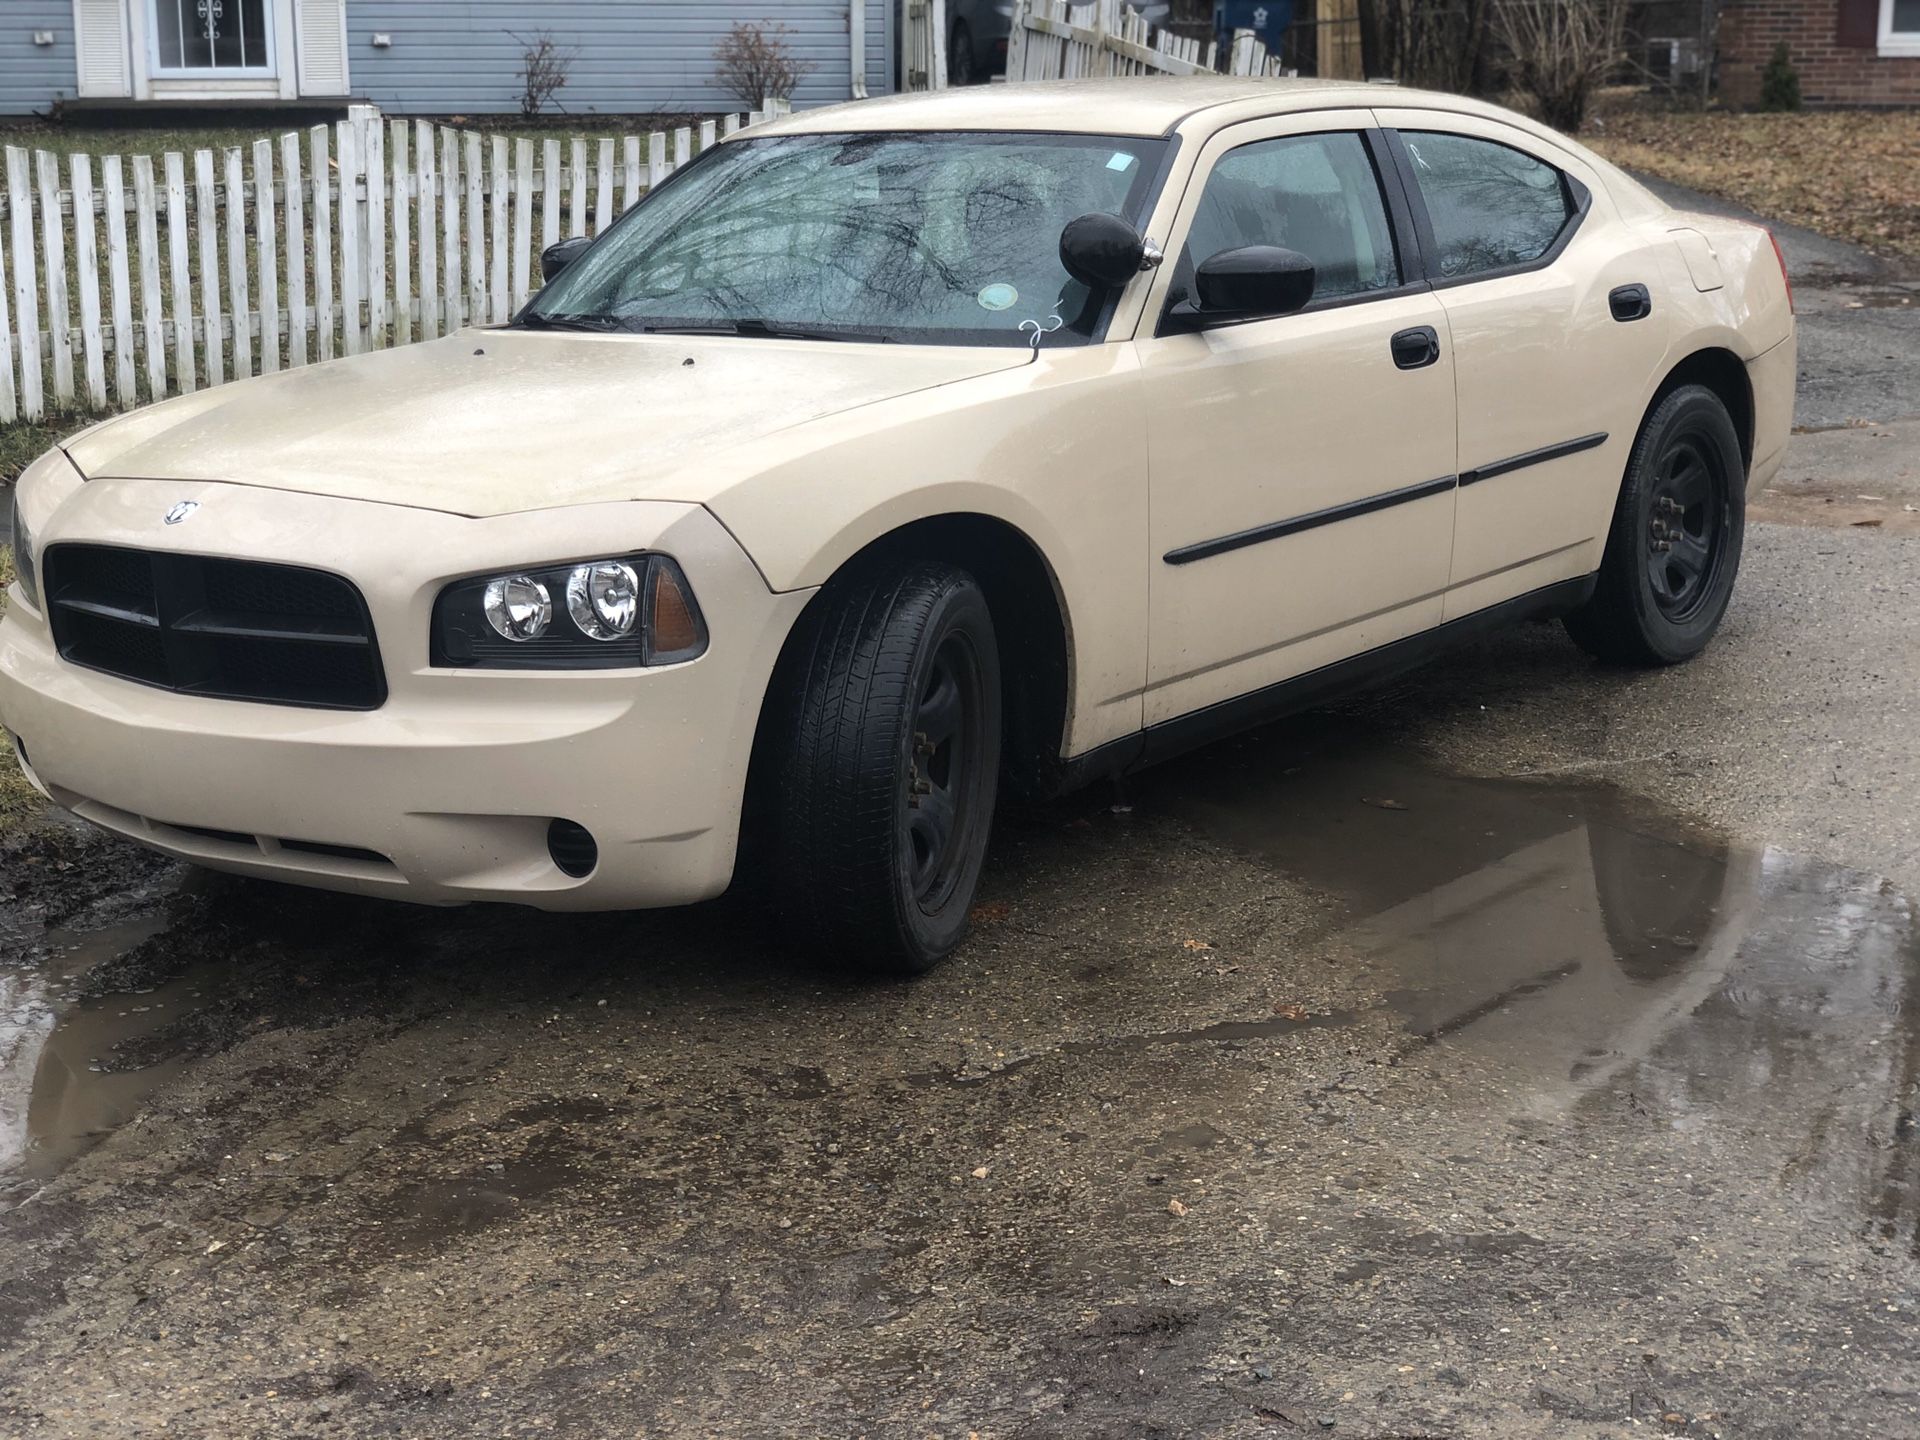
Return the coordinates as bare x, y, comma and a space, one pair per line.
1416, 348
1630, 302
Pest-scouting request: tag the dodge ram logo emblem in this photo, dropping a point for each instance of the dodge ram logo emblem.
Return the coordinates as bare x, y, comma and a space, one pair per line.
181, 511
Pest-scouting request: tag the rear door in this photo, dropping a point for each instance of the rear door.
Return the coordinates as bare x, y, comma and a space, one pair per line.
1301, 465
1552, 359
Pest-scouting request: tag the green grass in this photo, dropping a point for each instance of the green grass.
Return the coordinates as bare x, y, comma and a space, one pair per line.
25, 441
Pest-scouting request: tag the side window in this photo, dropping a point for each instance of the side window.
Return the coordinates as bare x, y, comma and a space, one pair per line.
1313, 193
1491, 205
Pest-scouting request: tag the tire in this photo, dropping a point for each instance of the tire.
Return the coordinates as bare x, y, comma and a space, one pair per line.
960, 64
1674, 547
883, 768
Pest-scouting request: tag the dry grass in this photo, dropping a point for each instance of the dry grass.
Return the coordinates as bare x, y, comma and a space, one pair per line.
1854, 175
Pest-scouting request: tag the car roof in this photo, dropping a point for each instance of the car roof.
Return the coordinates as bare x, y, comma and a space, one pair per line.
1123, 105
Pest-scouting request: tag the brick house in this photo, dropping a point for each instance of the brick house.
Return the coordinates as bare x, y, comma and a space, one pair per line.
1848, 52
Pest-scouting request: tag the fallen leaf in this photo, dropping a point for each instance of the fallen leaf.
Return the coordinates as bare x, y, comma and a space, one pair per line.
1866, 524
216, 1245
1174, 1207
1196, 945
1381, 804
1289, 1011
981, 1172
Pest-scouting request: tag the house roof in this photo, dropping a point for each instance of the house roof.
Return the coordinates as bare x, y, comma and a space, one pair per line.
1125, 105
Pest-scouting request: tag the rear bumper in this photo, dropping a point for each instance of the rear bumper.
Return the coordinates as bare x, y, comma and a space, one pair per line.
445, 793
1772, 374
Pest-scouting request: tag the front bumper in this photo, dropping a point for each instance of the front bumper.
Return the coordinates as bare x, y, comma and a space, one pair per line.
445, 793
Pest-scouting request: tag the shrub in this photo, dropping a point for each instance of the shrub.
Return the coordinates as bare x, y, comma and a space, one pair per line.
1780, 82
544, 67
757, 64
1562, 51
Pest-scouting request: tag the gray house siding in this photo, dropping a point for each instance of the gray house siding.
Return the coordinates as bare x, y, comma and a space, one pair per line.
33, 76
629, 55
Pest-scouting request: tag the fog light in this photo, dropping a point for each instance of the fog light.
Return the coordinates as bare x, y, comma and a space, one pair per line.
572, 848
518, 607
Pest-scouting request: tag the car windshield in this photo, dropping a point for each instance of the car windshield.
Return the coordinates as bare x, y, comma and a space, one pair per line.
931, 238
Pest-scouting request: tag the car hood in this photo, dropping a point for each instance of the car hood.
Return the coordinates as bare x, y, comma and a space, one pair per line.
486, 422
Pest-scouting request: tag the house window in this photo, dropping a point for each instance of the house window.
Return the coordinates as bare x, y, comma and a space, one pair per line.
1900, 27
202, 35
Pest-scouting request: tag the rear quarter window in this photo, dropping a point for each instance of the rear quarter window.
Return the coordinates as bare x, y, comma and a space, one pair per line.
1491, 206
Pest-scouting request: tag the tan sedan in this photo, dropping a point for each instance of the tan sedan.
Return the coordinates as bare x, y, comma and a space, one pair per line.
886, 457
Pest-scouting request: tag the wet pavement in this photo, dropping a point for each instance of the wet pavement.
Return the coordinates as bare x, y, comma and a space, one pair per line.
1528, 1050
1315, 1088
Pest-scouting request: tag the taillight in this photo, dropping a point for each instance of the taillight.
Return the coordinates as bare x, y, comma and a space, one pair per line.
1785, 279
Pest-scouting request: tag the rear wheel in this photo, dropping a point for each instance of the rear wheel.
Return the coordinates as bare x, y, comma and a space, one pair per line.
1674, 547
885, 764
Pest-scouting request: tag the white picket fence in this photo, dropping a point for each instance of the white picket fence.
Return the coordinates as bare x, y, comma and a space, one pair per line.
353, 237
1052, 40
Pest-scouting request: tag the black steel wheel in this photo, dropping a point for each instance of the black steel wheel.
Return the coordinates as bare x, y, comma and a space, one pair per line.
884, 761
1674, 547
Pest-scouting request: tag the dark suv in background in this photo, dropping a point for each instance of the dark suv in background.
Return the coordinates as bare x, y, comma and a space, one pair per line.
977, 36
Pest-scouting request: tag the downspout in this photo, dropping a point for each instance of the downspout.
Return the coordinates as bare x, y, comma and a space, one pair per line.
857, 34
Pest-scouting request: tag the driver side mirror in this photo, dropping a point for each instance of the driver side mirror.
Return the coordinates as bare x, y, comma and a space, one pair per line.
562, 253
1102, 251
1248, 283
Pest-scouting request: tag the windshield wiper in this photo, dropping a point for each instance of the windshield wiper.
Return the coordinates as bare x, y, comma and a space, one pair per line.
597, 324
752, 325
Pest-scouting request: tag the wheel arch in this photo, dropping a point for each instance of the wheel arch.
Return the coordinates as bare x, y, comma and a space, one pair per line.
1725, 374
1032, 630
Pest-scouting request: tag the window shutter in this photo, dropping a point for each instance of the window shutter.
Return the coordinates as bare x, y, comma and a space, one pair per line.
322, 27
102, 63
1859, 25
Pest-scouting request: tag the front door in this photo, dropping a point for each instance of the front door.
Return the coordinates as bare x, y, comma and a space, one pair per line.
1302, 465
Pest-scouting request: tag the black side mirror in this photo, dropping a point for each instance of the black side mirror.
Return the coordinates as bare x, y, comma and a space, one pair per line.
1250, 282
1101, 251
562, 253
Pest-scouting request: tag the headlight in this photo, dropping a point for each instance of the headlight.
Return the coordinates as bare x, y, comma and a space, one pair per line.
23, 556
594, 615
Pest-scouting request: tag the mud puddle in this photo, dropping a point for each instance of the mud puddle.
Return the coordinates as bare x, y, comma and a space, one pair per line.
66, 1079
1570, 947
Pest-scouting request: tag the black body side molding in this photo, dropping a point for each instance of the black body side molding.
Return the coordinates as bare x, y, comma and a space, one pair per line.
1532, 457
1313, 519
1302, 692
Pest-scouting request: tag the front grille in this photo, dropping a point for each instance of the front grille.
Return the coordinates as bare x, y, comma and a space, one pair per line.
237, 629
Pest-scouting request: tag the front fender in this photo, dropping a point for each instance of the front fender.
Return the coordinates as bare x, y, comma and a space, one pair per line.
1055, 449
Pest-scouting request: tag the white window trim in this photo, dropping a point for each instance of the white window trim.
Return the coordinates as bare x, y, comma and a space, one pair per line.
1896, 43
211, 74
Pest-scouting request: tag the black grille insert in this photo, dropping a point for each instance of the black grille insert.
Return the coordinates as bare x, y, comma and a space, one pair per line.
237, 629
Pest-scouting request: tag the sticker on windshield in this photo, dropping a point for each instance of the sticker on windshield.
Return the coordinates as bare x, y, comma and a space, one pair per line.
1120, 161
998, 297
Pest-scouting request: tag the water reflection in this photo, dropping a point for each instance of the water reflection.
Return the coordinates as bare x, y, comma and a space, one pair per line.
1567, 946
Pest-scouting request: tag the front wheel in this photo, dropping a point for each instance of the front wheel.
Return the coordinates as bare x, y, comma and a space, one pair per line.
1674, 547
885, 764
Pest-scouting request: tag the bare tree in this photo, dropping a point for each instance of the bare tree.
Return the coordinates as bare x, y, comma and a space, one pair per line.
1435, 44
1562, 51
757, 64
544, 68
